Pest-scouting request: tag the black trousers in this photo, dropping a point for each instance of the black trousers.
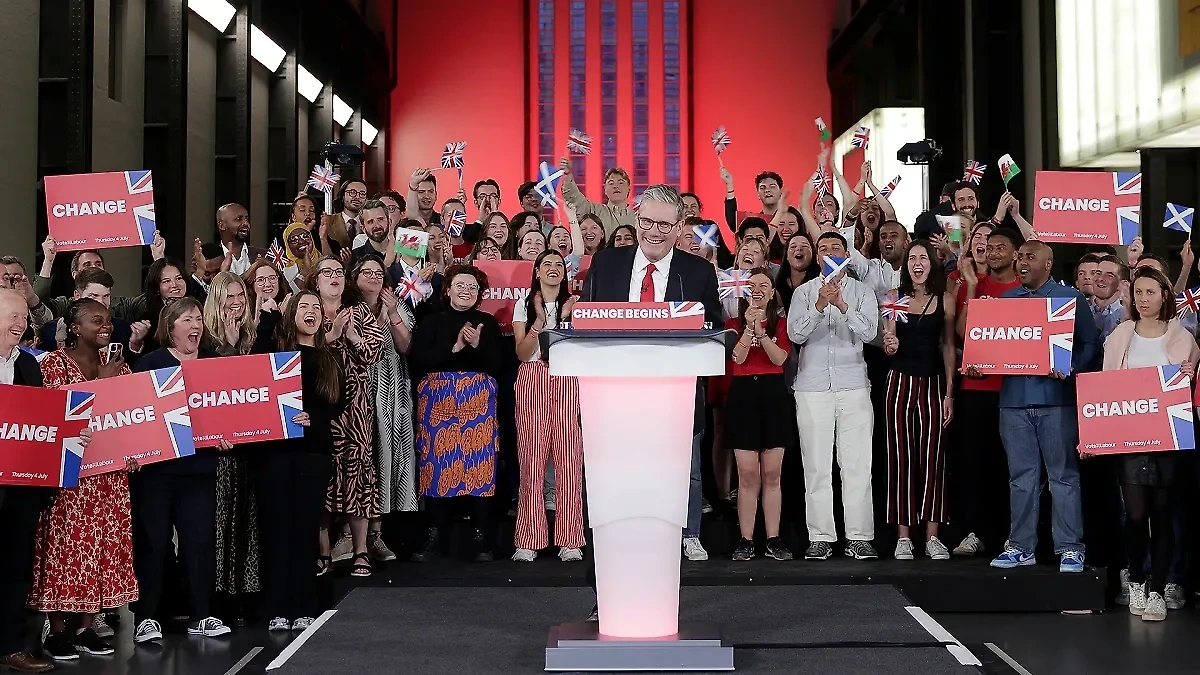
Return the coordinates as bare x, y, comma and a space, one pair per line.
187, 502
290, 486
19, 511
979, 467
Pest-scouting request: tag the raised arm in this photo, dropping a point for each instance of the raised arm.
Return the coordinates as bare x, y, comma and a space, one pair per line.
570, 190
889, 212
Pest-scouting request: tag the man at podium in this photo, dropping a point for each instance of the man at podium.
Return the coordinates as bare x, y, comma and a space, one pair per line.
656, 271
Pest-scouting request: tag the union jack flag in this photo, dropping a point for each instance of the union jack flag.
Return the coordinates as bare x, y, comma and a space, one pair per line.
973, 172
277, 254
861, 136
285, 365
1171, 377
1188, 300
1183, 433
578, 141
1062, 344
733, 283
895, 310
720, 140
141, 183
886, 190
458, 220
324, 178
1127, 200
169, 381
79, 408
679, 309
412, 288
452, 156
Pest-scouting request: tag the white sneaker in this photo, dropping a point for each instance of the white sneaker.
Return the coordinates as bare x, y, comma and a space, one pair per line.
971, 545
343, 548
210, 627
100, 626
524, 555
1137, 598
936, 550
302, 623
570, 554
1156, 608
148, 630
904, 549
692, 549
279, 624
1175, 596
1123, 591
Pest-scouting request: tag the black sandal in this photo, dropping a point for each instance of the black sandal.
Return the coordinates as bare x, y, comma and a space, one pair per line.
324, 564
362, 569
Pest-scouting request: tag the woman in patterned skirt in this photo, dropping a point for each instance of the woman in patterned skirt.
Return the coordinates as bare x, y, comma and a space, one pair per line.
457, 353
352, 331
84, 554
395, 460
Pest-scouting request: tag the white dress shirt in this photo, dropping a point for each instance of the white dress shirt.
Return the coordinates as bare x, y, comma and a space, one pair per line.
830, 342
877, 274
241, 264
662, 269
8, 366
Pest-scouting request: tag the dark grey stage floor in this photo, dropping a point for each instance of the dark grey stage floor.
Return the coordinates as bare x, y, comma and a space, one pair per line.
782, 629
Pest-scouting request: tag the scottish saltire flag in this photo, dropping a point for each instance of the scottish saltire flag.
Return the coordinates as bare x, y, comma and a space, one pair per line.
547, 185
412, 288
720, 140
823, 130
452, 156
1179, 217
579, 142
1061, 344
733, 283
277, 254
832, 265
862, 136
458, 220
973, 172
79, 408
886, 190
706, 234
286, 366
324, 178
678, 309
895, 310
1188, 300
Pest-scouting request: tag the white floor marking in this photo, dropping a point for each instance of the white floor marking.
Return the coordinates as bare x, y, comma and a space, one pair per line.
1012, 663
296, 644
245, 659
957, 650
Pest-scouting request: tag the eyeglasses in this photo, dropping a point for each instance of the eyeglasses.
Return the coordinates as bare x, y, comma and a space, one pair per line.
329, 272
371, 274
354, 193
465, 287
271, 278
663, 226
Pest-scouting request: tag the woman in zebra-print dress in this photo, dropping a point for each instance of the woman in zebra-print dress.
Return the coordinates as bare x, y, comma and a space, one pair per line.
352, 331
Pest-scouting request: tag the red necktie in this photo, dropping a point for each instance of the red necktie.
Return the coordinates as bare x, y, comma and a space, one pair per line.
648, 284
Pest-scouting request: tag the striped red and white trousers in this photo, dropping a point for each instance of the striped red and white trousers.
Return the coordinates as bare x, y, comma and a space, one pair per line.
916, 456
548, 430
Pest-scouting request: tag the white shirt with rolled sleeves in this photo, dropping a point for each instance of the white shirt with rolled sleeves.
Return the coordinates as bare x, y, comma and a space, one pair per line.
830, 343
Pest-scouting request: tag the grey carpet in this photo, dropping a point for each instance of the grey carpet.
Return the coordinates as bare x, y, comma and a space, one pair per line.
503, 630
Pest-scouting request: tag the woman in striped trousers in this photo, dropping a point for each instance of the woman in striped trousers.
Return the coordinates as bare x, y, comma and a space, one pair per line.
920, 399
547, 421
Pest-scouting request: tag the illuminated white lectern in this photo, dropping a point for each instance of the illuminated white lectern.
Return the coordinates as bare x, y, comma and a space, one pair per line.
637, 397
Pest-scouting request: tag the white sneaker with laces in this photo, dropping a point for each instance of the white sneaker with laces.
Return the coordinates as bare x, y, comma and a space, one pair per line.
692, 549
210, 627
1175, 596
1137, 598
377, 549
524, 555
101, 627
971, 545
904, 549
148, 630
1156, 608
343, 548
1123, 592
570, 554
302, 623
936, 550
279, 624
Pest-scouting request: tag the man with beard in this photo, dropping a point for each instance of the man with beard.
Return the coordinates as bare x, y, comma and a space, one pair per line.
422, 195
882, 274
978, 460
966, 201
233, 227
1109, 285
616, 211
769, 186
1039, 428
338, 230
395, 207
377, 227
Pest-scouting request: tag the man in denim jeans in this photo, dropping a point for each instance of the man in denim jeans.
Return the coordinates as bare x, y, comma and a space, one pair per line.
1038, 425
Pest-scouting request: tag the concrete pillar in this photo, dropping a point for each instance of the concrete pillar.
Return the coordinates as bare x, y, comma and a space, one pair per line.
19, 38
202, 131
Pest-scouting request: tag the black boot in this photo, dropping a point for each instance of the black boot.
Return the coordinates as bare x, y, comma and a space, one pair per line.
483, 552
430, 549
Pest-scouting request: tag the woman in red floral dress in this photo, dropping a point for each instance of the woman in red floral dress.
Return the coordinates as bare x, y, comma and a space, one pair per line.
84, 554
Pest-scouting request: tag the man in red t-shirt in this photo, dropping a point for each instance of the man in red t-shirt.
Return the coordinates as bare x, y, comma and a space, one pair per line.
981, 461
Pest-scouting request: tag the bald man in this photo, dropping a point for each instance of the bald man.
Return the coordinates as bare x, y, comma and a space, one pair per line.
1038, 427
233, 226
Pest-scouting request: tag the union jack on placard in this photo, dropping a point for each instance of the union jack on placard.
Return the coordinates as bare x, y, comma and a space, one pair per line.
862, 136
79, 408
167, 380
1188, 300
578, 141
1171, 377
1183, 433
1062, 344
896, 310
291, 403
141, 183
285, 365
452, 156
323, 177
733, 283
973, 172
679, 309
35, 353
1127, 202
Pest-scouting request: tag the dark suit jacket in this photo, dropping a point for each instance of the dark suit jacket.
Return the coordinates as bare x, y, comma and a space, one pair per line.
27, 373
691, 278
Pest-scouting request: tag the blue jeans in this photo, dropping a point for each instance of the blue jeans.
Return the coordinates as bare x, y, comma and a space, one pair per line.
1033, 436
695, 492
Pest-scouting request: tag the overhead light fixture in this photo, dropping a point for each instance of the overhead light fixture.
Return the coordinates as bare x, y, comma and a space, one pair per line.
216, 12
307, 85
341, 111
264, 50
368, 133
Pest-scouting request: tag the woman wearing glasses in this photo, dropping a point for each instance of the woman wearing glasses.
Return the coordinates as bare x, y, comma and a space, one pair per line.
457, 354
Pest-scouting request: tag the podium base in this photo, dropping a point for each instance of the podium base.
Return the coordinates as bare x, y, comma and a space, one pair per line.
580, 647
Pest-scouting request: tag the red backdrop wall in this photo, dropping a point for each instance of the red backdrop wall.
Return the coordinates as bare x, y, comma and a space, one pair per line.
758, 68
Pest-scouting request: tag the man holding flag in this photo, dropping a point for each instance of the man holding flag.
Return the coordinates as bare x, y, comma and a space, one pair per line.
615, 212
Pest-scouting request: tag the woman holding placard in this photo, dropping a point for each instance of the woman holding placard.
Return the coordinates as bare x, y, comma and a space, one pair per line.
1149, 480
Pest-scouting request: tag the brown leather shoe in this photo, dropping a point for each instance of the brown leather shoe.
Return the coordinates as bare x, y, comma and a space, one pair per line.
24, 662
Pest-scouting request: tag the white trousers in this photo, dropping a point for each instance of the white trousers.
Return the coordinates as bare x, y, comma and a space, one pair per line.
841, 419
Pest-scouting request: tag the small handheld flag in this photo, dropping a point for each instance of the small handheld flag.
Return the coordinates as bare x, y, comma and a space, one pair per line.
579, 142
1188, 300
823, 130
952, 225
546, 187
1179, 217
277, 254
895, 310
412, 242
324, 178
706, 234
733, 283
1008, 168
720, 141
862, 136
973, 172
452, 156
458, 220
886, 190
412, 288
832, 265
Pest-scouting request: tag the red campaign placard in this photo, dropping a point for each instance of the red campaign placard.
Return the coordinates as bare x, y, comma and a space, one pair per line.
580, 276
39, 435
638, 316
508, 283
1087, 207
1135, 410
100, 210
143, 417
1019, 336
243, 399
